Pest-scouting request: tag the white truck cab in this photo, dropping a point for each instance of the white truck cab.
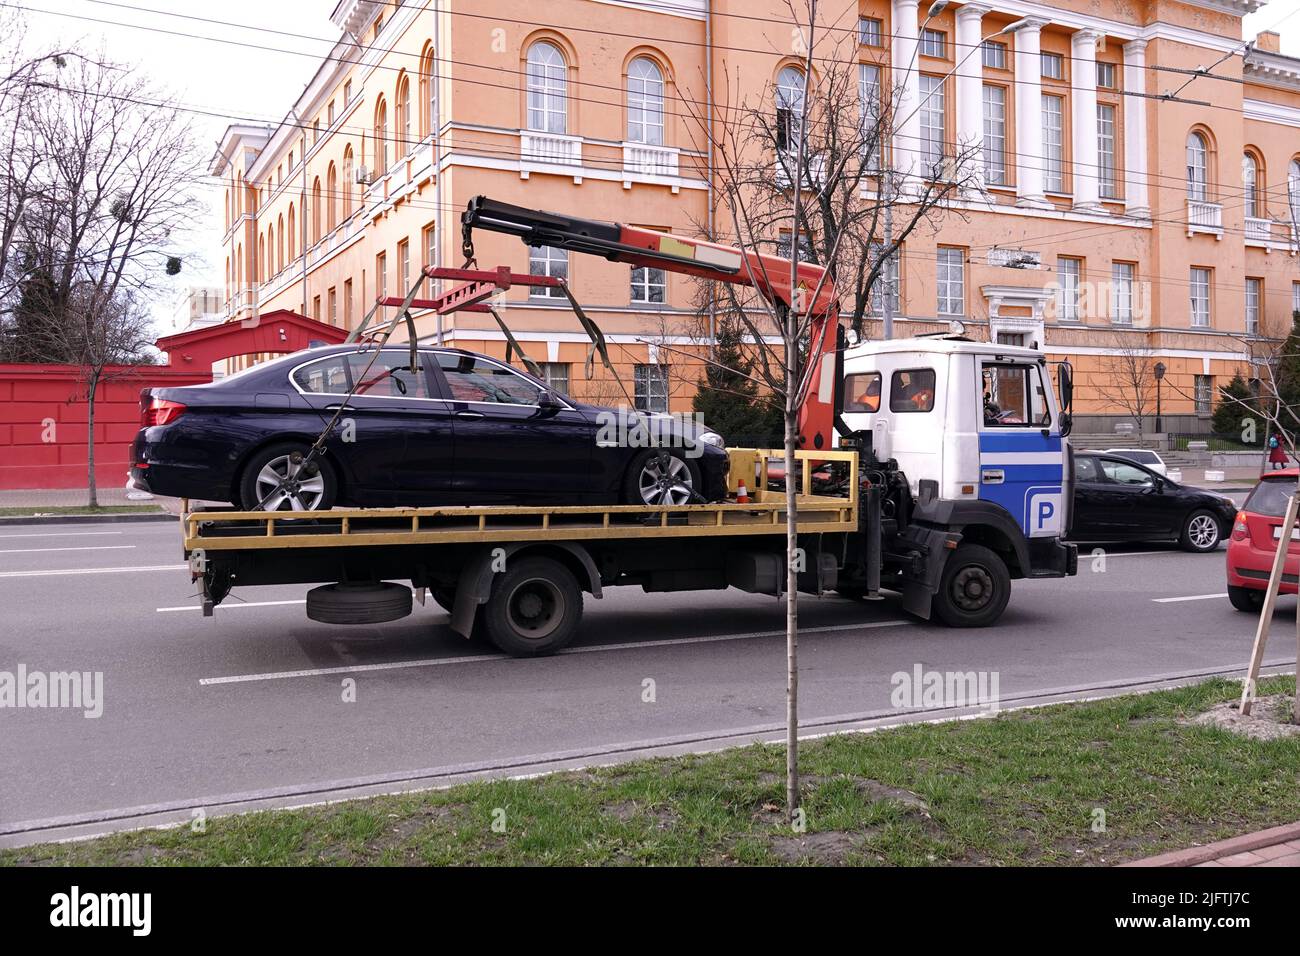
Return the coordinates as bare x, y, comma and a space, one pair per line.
980, 420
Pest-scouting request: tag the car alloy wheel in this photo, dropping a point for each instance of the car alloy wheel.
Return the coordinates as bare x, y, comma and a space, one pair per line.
284, 485
1202, 532
665, 480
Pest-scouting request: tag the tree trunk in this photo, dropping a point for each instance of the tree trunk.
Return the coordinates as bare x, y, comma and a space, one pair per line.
90, 441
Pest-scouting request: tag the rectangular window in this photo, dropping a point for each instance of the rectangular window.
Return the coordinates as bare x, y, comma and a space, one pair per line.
873, 138
381, 275
1053, 144
430, 250
556, 375
347, 304
1013, 396
1254, 296
932, 122
333, 307
1204, 392
1295, 297
912, 390
995, 135
315, 308
1200, 297
547, 261
1106, 151
651, 388
1069, 272
870, 31
862, 392
1053, 66
994, 54
934, 43
886, 283
330, 113
951, 281
1121, 292
347, 92
403, 267
1106, 76
648, 285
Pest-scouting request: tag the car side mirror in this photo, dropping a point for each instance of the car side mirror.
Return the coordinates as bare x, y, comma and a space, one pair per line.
547, 401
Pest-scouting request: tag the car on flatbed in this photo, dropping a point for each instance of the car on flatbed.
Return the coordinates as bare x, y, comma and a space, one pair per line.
464, 428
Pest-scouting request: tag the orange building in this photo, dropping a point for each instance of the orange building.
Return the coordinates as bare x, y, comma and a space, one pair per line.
1113, 222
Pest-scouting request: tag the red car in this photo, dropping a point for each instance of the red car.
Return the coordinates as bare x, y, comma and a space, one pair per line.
1253, 542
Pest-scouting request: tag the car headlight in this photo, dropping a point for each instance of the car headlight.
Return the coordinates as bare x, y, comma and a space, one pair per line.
711, 438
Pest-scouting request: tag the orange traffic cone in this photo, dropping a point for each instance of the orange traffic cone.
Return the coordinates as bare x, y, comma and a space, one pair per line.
742, 494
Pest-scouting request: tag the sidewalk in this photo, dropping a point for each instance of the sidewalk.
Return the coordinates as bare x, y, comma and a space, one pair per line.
68, 498
1278, 846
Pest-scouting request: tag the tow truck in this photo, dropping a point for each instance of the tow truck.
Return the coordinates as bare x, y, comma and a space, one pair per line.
936, 468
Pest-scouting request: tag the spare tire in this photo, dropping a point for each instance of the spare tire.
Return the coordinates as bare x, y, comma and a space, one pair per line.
359, 603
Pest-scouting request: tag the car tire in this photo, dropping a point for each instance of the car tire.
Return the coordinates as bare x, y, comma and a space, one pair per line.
1250, 600
358, 603
255, 479
535, 608
973, 589
645, 469
1201, 532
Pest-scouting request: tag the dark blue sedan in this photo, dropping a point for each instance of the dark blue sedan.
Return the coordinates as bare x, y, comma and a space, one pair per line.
463, 428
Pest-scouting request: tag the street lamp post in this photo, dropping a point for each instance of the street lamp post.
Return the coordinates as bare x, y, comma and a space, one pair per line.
1160, 374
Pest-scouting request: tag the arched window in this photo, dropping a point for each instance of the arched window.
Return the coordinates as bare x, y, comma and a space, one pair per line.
789, 107
1250, 185
403, 116
1198, 167
428, 97
548, 84
381, 138
227, 277
332, 192
1293, 190
645, 102
315, 211
347, 181
271, 268
279, 249
261, 259
293, 234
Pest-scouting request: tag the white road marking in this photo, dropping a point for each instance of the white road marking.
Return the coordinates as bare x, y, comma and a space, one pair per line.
226, 607
59, 534
96, 547
1190, 597
42, 574
479, 658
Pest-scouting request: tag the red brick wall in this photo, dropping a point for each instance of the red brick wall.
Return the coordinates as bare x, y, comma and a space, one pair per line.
32, 394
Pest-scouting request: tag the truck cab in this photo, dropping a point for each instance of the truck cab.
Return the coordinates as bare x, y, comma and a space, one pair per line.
978, 432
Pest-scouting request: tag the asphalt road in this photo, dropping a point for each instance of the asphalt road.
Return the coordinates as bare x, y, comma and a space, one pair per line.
247, 709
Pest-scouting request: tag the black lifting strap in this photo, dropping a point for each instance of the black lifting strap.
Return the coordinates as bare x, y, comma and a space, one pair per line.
513, 346
598, 345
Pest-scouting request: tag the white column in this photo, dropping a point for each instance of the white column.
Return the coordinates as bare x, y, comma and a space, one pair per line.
970, 93
906, 98
1135, 130
1087, 187
1029, 116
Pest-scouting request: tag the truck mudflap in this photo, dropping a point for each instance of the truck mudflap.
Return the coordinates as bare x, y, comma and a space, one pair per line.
474, 586
926, 552
1052, 558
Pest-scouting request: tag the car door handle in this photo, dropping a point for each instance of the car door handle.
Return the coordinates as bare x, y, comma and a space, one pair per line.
469, 416
333, 408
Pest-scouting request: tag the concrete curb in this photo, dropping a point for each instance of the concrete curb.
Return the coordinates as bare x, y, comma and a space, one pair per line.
122, 518
1214, 851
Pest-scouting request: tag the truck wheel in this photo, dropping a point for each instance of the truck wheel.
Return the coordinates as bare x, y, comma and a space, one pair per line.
974, 588
1249, 600
534, 609
358, 603
273, 475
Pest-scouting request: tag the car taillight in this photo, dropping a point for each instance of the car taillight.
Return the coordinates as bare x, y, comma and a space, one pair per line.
1240, 531
160, 411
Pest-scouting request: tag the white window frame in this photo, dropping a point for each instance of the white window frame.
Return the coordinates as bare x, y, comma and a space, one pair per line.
645, 102
548, 89
870, 31
1106, 73
869, 94
1254, 299
1069, 273
994, 99
1107, 182
934, 43
1198, 166
1053, 115
933, 121
790, 101
1052, 65
650, 387
993, 54
888, 278
555, 373
1250, 184
547, 261
1122, 276
1199, 296
950, 280
645, 281
1203, 394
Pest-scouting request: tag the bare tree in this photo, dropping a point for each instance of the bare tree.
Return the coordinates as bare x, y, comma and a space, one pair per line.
1128, 378
799, 169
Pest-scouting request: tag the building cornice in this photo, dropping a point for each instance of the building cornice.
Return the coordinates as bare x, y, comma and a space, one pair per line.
235, 136
1236, 8
353, 16
1272, 69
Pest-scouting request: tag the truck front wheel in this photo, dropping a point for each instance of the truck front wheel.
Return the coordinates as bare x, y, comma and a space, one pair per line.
974, 588
534, 609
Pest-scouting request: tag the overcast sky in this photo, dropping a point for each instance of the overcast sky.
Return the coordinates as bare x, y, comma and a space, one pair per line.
254, 73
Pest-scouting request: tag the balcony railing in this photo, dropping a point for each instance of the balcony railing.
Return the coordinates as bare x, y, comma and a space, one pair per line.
641, 159
551, 149
1258, 230
814, 173
1204, 217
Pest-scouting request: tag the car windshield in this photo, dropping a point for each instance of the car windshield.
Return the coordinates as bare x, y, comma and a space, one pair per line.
1270, 497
